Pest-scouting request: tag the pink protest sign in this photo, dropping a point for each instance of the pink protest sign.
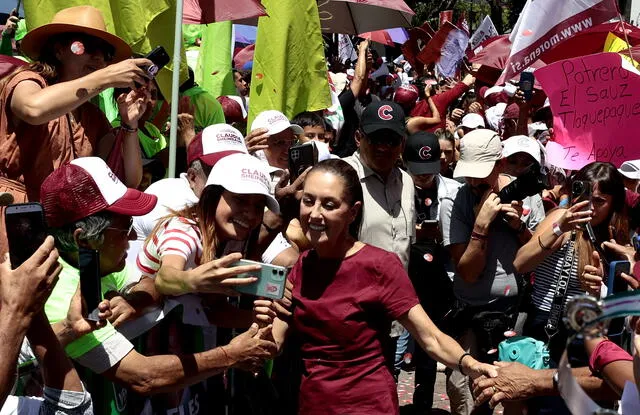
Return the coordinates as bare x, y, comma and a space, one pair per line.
596, 107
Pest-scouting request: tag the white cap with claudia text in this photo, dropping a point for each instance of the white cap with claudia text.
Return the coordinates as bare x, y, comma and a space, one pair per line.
244, 174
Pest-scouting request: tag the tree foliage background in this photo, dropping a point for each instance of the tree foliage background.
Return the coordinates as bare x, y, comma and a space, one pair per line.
504, 13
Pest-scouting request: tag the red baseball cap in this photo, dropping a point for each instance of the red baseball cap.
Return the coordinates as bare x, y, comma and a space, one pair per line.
86, 186
215, 142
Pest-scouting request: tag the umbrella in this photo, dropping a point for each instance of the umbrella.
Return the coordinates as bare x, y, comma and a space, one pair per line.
495, 52
592, 41
398, 35
245, 34
361, 16
209, 11
380, 36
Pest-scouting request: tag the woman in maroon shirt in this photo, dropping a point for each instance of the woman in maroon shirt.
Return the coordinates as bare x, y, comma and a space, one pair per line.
345, 295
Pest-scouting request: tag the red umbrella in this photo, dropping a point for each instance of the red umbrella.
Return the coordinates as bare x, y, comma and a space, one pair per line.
380, 36
209, 11
592, 41
495, 52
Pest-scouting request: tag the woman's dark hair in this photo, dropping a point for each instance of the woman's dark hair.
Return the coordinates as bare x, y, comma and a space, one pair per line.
352, 187
609, 181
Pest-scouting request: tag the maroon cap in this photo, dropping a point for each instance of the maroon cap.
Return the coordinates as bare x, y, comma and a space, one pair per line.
231, 108
511, 112
86, 186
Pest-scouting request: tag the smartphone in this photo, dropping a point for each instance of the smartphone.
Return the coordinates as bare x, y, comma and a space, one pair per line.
580, 190
26, 231
301, 157
271, 280
527, 80
615, 283
90, 280
160, 58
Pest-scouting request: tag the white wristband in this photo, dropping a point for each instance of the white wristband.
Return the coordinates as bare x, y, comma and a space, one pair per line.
556, 230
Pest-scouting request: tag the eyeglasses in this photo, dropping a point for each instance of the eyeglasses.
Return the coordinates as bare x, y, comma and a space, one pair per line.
121, 230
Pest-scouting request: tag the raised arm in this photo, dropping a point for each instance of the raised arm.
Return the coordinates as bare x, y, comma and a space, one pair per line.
35, 105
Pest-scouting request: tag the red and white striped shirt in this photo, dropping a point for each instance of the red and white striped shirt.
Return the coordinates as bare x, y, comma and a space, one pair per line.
176, 236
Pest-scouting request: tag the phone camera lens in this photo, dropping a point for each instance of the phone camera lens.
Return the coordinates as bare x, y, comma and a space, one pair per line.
274, 272
281, 272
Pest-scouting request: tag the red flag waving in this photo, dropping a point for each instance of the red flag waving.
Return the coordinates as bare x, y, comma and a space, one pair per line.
432, 52
418, 40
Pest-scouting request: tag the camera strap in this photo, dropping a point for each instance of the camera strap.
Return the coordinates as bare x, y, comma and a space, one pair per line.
587, 316
562, 285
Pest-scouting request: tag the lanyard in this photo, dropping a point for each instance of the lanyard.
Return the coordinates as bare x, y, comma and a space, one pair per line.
562, 286
586, 314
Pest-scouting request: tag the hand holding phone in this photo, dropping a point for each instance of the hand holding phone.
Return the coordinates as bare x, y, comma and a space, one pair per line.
527, 80
90, 281
26, 231
615, 283
271, 280
301, 157
160, 59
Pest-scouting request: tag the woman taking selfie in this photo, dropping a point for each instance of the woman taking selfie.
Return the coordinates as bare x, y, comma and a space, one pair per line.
345, 295
598, 200
191, 250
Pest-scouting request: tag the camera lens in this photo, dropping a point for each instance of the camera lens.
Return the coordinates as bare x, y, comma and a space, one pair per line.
274, 272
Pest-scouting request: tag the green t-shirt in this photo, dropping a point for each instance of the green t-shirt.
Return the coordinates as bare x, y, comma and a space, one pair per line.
208, 110
57, 305
151, 143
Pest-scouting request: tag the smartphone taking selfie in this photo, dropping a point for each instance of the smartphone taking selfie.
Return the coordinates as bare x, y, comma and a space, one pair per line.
527, 80
271, 280
160, 59
26, 231
301, 157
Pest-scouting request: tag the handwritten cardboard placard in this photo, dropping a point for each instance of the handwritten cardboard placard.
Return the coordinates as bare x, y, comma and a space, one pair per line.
595, 101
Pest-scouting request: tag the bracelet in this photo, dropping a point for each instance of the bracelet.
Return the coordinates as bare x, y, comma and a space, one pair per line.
556, 229
465, 354
128, 129
226, 356
270, 230
545, 248
479, 236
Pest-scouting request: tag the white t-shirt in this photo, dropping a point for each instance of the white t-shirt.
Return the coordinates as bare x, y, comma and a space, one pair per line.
177, 236
173, 194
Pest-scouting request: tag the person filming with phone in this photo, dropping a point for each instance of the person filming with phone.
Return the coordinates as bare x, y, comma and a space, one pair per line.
46, 117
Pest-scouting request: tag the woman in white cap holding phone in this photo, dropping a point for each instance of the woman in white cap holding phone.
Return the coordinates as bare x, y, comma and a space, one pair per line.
192, 250
46, 118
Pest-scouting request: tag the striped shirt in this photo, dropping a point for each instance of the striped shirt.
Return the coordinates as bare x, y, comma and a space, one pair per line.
177, 236
546, 279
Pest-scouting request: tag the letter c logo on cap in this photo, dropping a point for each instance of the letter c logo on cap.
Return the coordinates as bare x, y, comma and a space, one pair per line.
384, 112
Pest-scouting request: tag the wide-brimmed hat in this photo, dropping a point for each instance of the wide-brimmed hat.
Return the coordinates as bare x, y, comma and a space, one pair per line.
79, 19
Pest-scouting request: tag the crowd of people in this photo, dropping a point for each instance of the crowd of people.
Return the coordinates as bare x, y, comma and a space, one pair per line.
430, 229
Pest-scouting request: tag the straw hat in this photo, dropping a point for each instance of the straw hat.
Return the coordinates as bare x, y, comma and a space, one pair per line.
79, 19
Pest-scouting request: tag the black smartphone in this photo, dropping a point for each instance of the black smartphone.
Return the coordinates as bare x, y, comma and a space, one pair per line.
90, 285
301, 157
580, 190
615, 283
160, 58
26, 231
527, 80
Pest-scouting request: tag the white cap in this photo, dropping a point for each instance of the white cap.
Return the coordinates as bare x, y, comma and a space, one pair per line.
214, 142
537, 126
472, 120
275, 122
521, 144
493, 90
630, 169
494, 115
244, 174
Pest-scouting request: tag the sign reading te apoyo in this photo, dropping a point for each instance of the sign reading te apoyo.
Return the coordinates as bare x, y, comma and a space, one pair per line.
595, 100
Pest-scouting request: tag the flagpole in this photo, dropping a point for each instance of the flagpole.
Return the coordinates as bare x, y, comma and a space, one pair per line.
175, 87
626, 39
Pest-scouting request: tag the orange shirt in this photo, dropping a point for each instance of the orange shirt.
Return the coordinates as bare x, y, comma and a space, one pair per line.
29, 153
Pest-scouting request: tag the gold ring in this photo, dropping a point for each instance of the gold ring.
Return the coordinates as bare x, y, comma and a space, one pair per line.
494, 389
